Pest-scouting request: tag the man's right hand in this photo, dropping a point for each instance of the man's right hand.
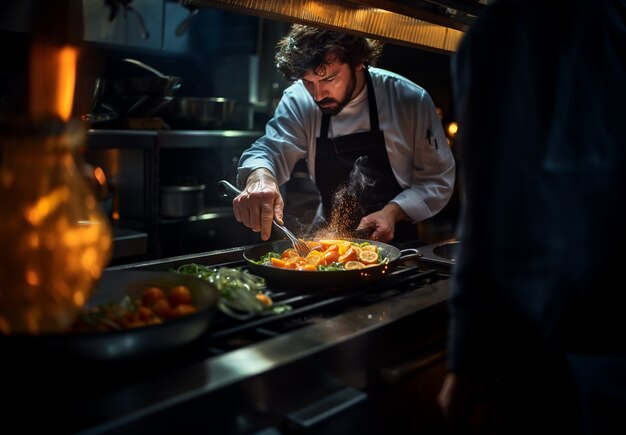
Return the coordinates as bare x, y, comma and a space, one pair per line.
259, 203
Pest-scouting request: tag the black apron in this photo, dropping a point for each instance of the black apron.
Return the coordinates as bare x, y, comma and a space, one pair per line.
340, 194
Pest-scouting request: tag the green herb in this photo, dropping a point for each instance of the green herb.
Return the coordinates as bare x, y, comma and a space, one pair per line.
267, 258
238, 290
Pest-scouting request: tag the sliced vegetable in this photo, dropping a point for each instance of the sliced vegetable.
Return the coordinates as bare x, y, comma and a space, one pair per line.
241, 293
353, 265
329, 255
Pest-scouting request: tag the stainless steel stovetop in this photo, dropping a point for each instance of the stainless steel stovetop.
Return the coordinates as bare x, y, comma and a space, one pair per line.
335, 363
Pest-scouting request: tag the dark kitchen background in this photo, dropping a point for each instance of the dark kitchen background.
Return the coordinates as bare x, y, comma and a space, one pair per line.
366, 357
154, 161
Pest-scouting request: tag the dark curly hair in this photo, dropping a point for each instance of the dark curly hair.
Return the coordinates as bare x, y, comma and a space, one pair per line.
305, 48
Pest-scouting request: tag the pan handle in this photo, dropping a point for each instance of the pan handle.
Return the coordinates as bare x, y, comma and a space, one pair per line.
411, 253
228, 190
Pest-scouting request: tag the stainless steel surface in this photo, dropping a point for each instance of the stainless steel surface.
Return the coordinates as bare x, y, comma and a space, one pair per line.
236, 139
129, 243
271, 354
127, 158
198, 112
182, 200
319, 368
424, 24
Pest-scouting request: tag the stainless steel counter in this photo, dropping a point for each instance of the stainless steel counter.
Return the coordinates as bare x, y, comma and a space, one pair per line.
362, 360
128, 243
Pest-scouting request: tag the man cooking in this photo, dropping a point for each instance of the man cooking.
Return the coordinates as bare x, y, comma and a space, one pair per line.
373, 143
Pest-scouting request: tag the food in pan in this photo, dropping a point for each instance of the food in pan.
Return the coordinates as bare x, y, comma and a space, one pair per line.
327, 255
153, 305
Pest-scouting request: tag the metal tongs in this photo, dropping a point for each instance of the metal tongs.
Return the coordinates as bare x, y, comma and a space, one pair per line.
230, 191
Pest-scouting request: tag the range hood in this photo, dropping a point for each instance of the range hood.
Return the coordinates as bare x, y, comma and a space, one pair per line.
425, 24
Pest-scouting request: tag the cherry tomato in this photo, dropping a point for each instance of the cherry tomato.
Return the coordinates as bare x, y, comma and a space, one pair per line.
181, 310
151, 295
162, 309
179, 295
145, 313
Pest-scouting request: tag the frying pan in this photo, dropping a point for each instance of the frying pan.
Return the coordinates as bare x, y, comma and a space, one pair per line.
328, 279
128, 343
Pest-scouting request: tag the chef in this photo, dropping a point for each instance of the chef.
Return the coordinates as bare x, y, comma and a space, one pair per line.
372, 140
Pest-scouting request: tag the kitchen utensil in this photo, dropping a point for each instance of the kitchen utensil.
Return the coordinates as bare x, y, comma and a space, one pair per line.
145, 66
325, 280
301, 248
138, 106
130, 343
156, 84
198, 112
115, 5
182, 28
182, 200
140, 86
231, 191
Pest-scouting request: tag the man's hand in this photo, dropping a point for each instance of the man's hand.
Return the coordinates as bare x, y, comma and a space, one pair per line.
470, 405
383, 222
259, 203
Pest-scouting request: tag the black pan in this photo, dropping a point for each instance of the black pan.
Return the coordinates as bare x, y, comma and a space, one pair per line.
128, 343
325, 280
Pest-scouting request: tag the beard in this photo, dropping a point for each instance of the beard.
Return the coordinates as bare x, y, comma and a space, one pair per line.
339, 105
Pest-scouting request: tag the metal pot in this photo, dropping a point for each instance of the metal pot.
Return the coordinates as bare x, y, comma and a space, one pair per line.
134, 95
198, 112
157, 84
182, 200
323, 281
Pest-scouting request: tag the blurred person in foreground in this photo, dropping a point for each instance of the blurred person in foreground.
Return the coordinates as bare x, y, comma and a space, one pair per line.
537, 339
372, 140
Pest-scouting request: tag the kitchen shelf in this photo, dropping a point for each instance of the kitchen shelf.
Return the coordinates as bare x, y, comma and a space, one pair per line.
207, 138
207, 214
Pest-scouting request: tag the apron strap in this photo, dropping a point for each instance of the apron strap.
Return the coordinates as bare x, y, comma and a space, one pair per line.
325, 125
372, 102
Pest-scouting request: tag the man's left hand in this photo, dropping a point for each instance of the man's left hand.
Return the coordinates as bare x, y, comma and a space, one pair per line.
383, 222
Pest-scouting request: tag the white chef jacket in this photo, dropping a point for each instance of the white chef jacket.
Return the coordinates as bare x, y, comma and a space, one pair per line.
418, 151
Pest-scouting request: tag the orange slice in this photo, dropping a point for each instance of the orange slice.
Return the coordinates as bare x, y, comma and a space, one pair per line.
368, 257
353, 265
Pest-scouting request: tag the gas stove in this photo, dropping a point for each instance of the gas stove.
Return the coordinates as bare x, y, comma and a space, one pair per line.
356, 360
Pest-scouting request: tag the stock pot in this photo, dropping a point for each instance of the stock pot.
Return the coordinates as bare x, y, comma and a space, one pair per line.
182, 200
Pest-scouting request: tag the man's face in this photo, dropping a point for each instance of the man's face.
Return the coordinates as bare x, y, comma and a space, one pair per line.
331, 86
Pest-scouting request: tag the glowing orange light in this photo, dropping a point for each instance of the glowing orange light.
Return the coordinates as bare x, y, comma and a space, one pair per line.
453, 128
53, 77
